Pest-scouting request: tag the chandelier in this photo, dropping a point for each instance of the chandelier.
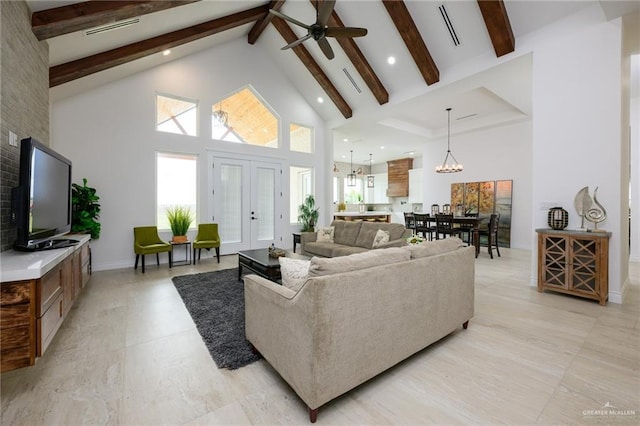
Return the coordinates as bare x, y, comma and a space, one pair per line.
221, 117
351, 177
447, 167
370, 178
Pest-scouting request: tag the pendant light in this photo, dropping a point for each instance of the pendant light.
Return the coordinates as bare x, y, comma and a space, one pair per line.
370, 178
351, 177
446, 167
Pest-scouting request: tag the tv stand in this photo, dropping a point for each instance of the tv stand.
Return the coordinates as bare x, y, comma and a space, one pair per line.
38, 290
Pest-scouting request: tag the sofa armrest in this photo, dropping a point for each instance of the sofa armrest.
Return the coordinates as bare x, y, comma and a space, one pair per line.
307, 237
279, 324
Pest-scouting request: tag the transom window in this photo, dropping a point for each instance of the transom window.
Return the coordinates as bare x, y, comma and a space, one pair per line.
176, 115
244, 118
301, 138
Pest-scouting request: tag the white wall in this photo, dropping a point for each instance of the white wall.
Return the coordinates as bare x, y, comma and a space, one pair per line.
635, 180
498, 153
109, 135
577, 130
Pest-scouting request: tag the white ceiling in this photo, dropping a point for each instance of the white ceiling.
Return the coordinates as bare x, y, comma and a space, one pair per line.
415, 112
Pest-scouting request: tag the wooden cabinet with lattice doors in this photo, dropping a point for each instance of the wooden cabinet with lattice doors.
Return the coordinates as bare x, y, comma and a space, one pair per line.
574, 262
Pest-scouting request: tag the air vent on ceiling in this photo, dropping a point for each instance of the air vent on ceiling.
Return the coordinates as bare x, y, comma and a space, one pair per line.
112, 26
467, 116
449, 25
352, 80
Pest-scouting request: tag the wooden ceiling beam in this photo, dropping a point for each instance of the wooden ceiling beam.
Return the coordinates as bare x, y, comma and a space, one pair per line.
69, 71
259, 27
359, 61
303, 54
498, 26
57, 21
412, 39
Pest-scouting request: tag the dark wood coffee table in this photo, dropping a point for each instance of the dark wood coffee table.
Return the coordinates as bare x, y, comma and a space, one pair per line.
259, 262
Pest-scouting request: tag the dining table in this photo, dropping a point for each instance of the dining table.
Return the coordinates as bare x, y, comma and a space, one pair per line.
471, 223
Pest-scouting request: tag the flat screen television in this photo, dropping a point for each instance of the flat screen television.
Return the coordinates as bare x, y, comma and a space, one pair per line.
41, 204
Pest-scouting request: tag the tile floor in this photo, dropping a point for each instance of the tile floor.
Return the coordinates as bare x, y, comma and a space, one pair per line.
129, 354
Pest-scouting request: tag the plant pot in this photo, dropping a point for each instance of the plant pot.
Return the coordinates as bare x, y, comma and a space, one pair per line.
179, 239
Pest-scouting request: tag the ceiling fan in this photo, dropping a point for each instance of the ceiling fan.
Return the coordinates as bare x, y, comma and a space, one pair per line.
319, 31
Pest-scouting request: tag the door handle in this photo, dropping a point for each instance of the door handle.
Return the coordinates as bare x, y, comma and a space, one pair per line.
254, 218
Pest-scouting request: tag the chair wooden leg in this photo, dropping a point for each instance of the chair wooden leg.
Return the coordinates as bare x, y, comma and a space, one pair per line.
143, 263
136, 264
218, 253
170, 260
497, 246
158, 259
199, 254
194, 256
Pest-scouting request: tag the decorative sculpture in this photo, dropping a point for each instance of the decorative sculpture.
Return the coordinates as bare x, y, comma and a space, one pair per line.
582, 203
596, 214
584, 206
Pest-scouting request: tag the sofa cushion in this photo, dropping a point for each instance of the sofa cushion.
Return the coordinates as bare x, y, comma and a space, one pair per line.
368, 232
431, 248
294, 272
325, 235
340, 250
346, 232
327, 266
382, 237
319, 249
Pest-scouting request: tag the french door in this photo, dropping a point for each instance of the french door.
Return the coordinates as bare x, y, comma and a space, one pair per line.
246, 202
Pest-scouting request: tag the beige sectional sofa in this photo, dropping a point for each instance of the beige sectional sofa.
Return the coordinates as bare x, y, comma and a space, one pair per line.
353, 317
353, 237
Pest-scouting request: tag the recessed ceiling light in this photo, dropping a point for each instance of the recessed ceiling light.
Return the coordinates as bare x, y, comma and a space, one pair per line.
345, 140
344, 156
382, 147
391, 60
320, 100
166, 52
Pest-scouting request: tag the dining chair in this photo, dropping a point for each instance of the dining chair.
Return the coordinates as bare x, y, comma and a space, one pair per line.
409, 221
207, 238
491, 234
423, 225
444, 226
147, 241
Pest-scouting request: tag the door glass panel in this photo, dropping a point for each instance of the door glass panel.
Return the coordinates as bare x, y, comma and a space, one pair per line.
231, 206
266, 197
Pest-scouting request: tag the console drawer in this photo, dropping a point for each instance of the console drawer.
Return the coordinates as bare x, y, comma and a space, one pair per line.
49, 323
49, 289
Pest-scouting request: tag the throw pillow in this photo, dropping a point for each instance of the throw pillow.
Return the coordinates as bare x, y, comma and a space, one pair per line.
382, 237
325, 235
295, 272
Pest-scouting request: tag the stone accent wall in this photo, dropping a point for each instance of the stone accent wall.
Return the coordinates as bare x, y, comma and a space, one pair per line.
24, 99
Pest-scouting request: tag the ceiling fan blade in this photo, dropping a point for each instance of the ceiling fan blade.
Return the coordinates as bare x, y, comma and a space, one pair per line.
288, 18
338, 32
297, 42
326, 48
324, 12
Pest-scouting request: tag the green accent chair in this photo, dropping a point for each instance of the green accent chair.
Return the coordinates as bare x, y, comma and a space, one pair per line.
207, 238
147, 241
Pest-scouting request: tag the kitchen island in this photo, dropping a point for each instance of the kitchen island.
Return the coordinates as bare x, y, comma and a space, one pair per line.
368, 216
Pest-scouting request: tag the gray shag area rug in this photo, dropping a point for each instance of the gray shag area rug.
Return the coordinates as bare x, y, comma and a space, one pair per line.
215, 301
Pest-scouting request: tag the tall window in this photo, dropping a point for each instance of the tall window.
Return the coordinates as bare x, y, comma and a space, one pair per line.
175, 185
354, 194
301, 138
244, 118
301, 185
176, 115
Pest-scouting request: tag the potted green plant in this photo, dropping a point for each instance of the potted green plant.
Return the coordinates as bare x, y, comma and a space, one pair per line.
180, 219
308, 214
85, 210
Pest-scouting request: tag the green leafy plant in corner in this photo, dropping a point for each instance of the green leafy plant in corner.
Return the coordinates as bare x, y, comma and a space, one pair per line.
180, 219
85, 210
308, 214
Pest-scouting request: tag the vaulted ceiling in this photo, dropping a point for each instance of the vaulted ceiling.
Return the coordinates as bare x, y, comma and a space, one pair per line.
366, 98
